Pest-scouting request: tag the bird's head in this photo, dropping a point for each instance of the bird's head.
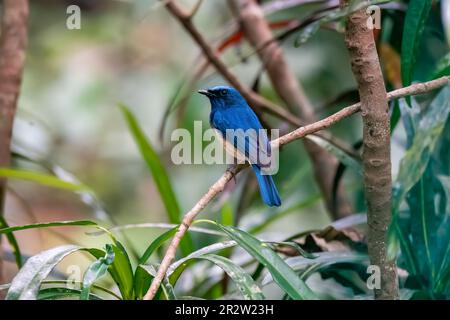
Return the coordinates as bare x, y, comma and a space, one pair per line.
223, 97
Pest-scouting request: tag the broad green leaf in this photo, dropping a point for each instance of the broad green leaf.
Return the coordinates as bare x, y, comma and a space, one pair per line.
62, 293
442, 68
95, 271
423, 134
41, 178
416, 17
443, 264
240, 278
283, 275
46, 225
120, 270
159, 174
26, 284
416, 158
12, 242
156, 244
142, 281
424, 222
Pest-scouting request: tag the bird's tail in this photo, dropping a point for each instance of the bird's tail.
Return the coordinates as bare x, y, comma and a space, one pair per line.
267, 188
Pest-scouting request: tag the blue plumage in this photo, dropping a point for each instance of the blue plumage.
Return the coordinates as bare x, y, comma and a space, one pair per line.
229, 110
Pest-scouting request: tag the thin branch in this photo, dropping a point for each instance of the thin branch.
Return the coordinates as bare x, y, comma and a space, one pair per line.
13, 43
254, 99
299, 133
195, 8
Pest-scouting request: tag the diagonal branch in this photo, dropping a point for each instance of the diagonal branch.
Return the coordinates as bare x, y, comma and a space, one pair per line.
255, 100
299, 133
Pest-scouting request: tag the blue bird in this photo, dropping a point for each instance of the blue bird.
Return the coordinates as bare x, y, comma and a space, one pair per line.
230, 111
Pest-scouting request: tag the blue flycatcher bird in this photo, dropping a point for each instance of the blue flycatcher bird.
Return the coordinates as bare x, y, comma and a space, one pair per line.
230, 111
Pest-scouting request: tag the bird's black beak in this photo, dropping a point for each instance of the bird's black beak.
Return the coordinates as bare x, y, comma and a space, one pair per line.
206, 93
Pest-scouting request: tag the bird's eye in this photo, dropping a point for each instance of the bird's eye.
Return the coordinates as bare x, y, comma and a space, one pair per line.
223, 92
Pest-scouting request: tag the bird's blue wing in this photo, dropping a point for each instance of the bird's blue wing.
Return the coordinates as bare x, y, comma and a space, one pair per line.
242, 118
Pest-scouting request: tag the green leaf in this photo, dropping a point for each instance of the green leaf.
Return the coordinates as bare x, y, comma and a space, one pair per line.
286, 278
120, 270
95, 271
142, 281
12, 242
177, 268
321, 260
156, 244
49, 224
61, 293
42, 178
338, 152
145, 275
422, 134
26, 284
226, 215
416, 17
241, 279
442, 68
159, 174
416, 158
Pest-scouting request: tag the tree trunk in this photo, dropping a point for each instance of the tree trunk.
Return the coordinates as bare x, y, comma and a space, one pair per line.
376, 146
12, 58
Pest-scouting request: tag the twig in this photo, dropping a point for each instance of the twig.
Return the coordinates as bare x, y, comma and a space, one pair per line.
195, 8
12, 59
376, 157
254, 99
301, 132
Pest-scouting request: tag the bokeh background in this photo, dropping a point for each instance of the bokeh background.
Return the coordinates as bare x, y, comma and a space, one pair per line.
135, 53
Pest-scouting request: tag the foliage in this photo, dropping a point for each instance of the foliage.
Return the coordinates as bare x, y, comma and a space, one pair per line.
245, 253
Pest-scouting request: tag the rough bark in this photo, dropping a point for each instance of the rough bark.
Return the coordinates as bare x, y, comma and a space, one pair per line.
12, 58
376, 146
257, 31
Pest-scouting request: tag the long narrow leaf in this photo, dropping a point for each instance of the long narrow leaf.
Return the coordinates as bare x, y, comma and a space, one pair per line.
120, 270
159, 174
57, 293
41, 178
240, 278
416, 159
12, 242
7, 230
156, 244
26, 284
416, 17
95, 271
286, 278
